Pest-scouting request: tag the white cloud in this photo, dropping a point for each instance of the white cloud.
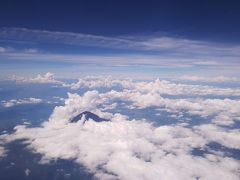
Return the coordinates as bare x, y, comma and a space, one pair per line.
134, 149
158, 86
166, 87
3, 152
209, 79
47, 78
144, 94
228, 138
177, 46
145, 151
224, 65
224, 111
126, 148
2, 49
27, 172
189, 53
6, 50
100, 81
15, 102
31, 50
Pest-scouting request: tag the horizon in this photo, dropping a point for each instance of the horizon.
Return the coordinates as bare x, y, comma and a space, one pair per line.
155, 39
120, 90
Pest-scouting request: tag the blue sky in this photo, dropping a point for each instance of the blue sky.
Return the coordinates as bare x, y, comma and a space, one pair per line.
143, 39
164, 74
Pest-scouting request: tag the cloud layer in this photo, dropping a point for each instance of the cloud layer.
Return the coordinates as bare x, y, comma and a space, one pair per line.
127, 148
123, 149
158, 86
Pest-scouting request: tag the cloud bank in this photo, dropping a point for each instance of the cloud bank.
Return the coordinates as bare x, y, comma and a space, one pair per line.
157, 86
123, 149
127, 148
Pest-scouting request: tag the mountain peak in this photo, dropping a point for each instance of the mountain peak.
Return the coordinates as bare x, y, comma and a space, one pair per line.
87, 115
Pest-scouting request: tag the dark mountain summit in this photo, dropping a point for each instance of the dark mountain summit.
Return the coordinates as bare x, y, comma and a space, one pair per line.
88, 115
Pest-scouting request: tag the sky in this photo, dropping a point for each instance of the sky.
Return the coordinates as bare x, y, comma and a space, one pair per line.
163, 75
143, 39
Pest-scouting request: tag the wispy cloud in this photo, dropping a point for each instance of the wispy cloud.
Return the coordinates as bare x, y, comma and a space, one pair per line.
174, 46
42, 36
208, 79
2, 49
155, 51
122, 59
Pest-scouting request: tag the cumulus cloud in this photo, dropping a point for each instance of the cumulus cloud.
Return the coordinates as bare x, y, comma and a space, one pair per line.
225, 111
226, 137
47, 78
147, 152
15, 102
143, 94
100, 81
157, 86
166, 87
125, 148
